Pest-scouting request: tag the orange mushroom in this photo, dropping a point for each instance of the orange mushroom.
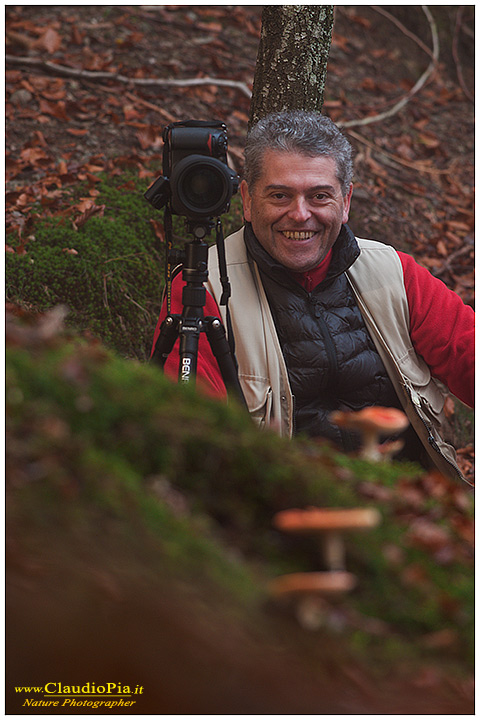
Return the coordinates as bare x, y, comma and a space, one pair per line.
327, 583
372, 422
307, 592
329, 524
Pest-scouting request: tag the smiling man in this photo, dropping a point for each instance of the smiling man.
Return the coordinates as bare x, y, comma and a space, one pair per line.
323, 320
296, 208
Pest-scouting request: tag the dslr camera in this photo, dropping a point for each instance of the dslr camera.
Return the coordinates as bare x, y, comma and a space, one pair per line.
196, 182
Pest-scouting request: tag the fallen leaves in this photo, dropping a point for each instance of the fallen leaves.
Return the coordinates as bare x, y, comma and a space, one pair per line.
438, 516
88, 209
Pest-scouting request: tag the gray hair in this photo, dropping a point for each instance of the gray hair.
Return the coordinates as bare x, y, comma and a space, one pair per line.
307, 133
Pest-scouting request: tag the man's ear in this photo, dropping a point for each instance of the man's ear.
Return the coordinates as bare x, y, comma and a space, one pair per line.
346, 204
247, 201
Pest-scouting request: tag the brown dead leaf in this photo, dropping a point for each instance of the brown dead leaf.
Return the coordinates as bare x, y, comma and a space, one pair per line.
429, 140
449, 407
32, 155
158, 229
77, 36
342, 42
458, 225
50, 41
442, 248
55, 109
427, 535
90, 210
369, 83
453, 238
440, 638
130, 112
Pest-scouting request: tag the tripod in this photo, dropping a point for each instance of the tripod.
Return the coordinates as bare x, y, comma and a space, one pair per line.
192, 322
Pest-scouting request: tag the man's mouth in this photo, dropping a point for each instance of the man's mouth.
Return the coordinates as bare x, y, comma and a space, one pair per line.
298, 234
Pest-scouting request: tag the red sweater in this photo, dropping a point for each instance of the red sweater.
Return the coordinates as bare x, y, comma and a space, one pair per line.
441, 330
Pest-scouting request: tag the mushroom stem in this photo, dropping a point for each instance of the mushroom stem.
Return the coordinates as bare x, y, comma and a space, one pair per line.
370, 449
334, 550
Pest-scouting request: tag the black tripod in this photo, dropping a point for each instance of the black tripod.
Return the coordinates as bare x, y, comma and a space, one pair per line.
192, 322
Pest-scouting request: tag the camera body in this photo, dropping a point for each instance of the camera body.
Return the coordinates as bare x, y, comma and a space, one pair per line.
196, 180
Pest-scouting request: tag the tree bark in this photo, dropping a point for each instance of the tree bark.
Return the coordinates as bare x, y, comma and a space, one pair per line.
292, 59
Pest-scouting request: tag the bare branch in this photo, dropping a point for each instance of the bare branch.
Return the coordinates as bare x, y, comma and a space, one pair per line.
458, 22
62, 71
418, 85
418, 165
402, 27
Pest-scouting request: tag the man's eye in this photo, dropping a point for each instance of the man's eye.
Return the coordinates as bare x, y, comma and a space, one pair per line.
320, 196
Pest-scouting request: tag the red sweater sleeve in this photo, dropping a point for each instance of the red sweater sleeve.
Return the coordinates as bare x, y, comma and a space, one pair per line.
208, 377
442, 329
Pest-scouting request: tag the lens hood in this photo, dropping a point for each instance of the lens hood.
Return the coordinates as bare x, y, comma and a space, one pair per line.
202, 186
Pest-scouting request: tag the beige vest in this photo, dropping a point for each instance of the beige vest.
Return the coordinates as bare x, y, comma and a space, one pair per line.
376, 278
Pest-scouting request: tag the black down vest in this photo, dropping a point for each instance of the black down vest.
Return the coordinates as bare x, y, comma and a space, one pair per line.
331, 359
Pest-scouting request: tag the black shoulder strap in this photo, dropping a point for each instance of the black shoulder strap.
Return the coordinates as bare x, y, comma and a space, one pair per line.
226, 288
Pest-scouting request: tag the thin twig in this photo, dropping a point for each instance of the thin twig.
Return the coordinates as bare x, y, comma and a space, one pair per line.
458, 21
138, 305
151, 106
61, 70
105, 293
418, 85
402, 27
421, 167
465, 250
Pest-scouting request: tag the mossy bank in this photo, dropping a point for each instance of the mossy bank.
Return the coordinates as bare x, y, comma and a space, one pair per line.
127, 493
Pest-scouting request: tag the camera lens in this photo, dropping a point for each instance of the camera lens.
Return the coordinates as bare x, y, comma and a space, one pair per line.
202, 186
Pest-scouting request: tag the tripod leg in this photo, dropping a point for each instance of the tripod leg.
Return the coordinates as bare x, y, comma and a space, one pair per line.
166, 339
190, 329
221, 349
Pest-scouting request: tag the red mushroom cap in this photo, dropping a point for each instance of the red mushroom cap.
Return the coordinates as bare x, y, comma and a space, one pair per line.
383, 420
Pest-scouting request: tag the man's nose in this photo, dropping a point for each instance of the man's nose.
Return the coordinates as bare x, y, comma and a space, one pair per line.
299, 210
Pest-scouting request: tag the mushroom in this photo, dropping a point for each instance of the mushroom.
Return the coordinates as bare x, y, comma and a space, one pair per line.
388, 449
329, 524
303, 583
372, 422
307, 591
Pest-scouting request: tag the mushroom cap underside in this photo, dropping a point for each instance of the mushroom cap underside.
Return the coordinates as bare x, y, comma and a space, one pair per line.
295, 584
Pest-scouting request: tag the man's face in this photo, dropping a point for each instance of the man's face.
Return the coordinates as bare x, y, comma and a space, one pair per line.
296, 208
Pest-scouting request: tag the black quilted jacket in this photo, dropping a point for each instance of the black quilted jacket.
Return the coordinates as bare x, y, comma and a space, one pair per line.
331, 359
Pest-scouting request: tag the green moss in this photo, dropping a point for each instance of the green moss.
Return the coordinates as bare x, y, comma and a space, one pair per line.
109, 272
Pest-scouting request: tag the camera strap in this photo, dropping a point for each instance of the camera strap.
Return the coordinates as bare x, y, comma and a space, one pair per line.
222, 266
167, 224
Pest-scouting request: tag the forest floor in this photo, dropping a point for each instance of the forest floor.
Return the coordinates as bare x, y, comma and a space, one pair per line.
414, 173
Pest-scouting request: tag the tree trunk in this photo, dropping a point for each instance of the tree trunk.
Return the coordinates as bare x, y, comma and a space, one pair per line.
292, 59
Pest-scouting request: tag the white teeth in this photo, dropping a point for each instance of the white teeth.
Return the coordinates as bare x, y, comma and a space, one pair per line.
303, 235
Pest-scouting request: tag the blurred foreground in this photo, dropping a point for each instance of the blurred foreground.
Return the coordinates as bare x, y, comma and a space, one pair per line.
140, 546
